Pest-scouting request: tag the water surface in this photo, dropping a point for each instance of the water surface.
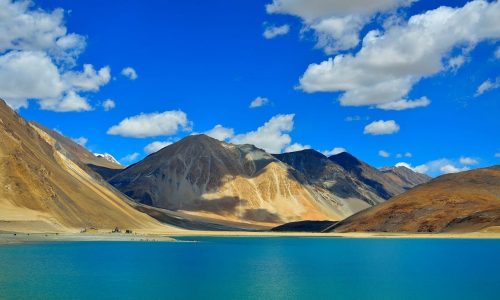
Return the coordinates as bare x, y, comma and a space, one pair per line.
254, 268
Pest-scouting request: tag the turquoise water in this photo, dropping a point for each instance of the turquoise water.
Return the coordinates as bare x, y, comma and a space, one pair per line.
254, 268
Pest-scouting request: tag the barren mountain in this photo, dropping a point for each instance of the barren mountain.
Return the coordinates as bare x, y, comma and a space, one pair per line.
461, 202
405, 177
383, 186
333, 181
44, 188
205, 177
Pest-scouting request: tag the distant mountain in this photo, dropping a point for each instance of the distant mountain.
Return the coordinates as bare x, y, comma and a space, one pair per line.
332, 181
45, 187
383, 186
205, 177
405, 177
107, 157
461, 202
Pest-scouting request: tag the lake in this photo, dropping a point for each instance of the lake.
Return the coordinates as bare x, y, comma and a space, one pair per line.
254, 268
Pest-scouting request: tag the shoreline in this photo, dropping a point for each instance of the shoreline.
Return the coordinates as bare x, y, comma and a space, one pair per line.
27, 238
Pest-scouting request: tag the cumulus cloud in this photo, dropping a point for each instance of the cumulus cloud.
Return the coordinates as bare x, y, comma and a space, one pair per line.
272, 136
87, 80
130, 73
468, 161
151, 125
23, 28
220, 133
296, 147
336, 23
334, 151
384, 70
381, 127
258, 102
273, 31
130, 157
108, 104
487, 85
449, 168
82, 141
405, 104
383, 153
155, 146
37, 55
436, 167
71, 101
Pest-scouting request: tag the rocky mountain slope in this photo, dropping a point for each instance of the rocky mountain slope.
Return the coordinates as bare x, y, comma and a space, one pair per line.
44, 188
205, 177
332, 181
370, 176
462, 202
405, 177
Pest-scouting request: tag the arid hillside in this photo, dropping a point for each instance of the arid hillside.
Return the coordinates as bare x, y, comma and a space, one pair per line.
43, 188
462, 202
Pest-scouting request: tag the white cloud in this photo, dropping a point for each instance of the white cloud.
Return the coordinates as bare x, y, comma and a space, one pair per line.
381, 127
497, 53
155, 146
408, 154
71, 101
296, 147
405, 104
220, 133
334, 151
449, 168
468, 161
383, 153
389, 63
336, 23
37, 55
89, 79
130, 73
436, 167
82, 141
419, 169
23, 28
153, 124
130, 157
273, 31
258, 102
487, 85
272, 136
25, 75
497, 154
108, 104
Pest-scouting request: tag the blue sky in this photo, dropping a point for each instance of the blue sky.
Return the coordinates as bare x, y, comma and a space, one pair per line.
206, 61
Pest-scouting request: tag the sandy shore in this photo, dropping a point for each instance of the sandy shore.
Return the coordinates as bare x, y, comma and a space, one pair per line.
21, 238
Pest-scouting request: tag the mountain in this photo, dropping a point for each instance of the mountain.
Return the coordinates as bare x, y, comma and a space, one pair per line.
107, 157
461, 202
205, 177
381, 184
332, 181
43, 186
405, 177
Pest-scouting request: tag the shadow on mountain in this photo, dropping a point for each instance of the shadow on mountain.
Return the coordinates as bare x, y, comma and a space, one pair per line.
261, 215
353, 165
225, 205
105, 173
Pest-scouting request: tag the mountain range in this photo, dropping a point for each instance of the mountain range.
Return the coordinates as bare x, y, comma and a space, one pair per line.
50, 183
